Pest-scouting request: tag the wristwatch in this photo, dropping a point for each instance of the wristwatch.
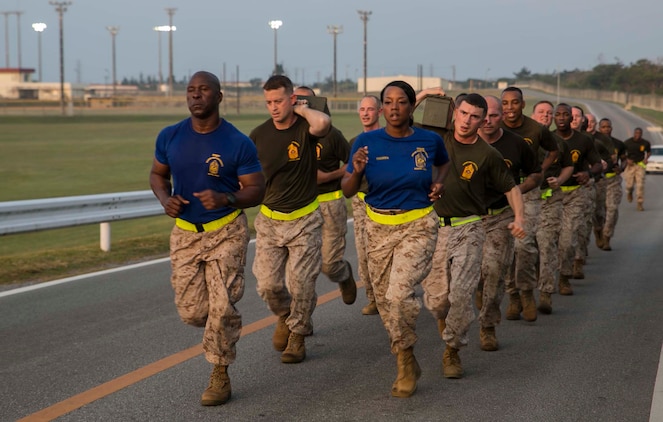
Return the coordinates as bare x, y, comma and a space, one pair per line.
231, 198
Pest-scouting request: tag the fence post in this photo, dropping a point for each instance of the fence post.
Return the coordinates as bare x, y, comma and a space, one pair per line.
105, 236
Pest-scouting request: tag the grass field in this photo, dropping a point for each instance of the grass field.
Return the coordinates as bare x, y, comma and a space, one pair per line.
52, 156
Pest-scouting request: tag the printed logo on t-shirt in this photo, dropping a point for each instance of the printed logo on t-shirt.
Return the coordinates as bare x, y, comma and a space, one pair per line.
575, 156
318, 150
214, 164
293, 151
642, 148
508, 162
469, 168
529, 141
420, 157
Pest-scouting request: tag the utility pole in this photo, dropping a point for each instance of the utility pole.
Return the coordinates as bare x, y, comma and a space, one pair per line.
171, 12
113, 31
60, 8
334, 31
18, 36
363, 15
39, 27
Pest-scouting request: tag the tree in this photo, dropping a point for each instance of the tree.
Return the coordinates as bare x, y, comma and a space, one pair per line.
524, 74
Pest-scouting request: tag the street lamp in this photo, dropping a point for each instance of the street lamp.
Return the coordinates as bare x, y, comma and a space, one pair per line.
363, 15
275, 25
39, 28
171, 12
113, 31
160, 29
334, 31
61, 7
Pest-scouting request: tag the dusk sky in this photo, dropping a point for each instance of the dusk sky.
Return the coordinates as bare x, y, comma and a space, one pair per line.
479, 38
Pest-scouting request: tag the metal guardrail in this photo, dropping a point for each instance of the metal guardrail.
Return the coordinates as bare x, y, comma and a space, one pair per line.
52, 213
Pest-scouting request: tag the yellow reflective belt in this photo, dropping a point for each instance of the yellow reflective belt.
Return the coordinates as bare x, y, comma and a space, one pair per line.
361, 195
496, 211
395, 219
330, 196
289, 216
458, 221
610, 175
546, 193
642, 164
569, 188
207, 227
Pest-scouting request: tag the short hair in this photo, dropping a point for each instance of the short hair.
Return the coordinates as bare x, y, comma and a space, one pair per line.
513, 89
543, 102
564, 105
212, 79
459, 98
307, 88
497, 100
378, 103
605, 119
637, 129
406, 87
475, 100
278, 81
582, 112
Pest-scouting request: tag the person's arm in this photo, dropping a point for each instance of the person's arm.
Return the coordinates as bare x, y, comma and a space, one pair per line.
352, 181
551, 156
428, 91
318, 121
515, 199
324, 177
532, 181
250, 194
162, 188
564, 175
437, 187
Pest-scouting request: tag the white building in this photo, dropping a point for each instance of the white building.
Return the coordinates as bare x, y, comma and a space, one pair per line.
375, 84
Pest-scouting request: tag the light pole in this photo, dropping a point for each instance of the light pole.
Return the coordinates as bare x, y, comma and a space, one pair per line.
275, 25
171, 12
61, 7
334, 31
363, 15
160, 29
113, 31
39, 28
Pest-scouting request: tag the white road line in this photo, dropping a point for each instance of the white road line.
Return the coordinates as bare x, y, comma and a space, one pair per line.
656, 413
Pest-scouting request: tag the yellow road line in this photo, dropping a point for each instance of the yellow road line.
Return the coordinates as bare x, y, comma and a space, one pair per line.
117, 384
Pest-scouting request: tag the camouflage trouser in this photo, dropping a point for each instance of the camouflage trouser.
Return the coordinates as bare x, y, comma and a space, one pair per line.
450, 286
613, 197
208, 279
287, 263
399, 257
575, 204
598, 220
497, 260
359, 213
547, 237
585, 227
635, 174
527, 252
334, 228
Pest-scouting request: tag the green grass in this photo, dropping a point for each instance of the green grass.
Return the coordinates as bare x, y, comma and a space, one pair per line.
53, 156
650, 115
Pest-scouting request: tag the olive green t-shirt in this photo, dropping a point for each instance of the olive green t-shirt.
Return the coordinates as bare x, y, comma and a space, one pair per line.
536, 135
289, 163
583, 153
475, 170
333, 151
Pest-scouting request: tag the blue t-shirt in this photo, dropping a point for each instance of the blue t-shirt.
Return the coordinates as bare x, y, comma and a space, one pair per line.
399, 171
199, 161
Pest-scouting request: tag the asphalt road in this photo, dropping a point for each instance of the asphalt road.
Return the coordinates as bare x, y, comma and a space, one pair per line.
110, 347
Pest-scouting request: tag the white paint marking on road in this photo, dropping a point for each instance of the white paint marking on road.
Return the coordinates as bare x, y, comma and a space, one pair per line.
98, 273
656, 412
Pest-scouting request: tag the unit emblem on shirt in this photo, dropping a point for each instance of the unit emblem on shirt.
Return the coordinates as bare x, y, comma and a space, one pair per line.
420, 157
469, 168
293, 151
575, 156
214, 164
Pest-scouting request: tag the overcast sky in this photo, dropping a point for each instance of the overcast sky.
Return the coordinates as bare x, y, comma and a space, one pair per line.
479, 38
